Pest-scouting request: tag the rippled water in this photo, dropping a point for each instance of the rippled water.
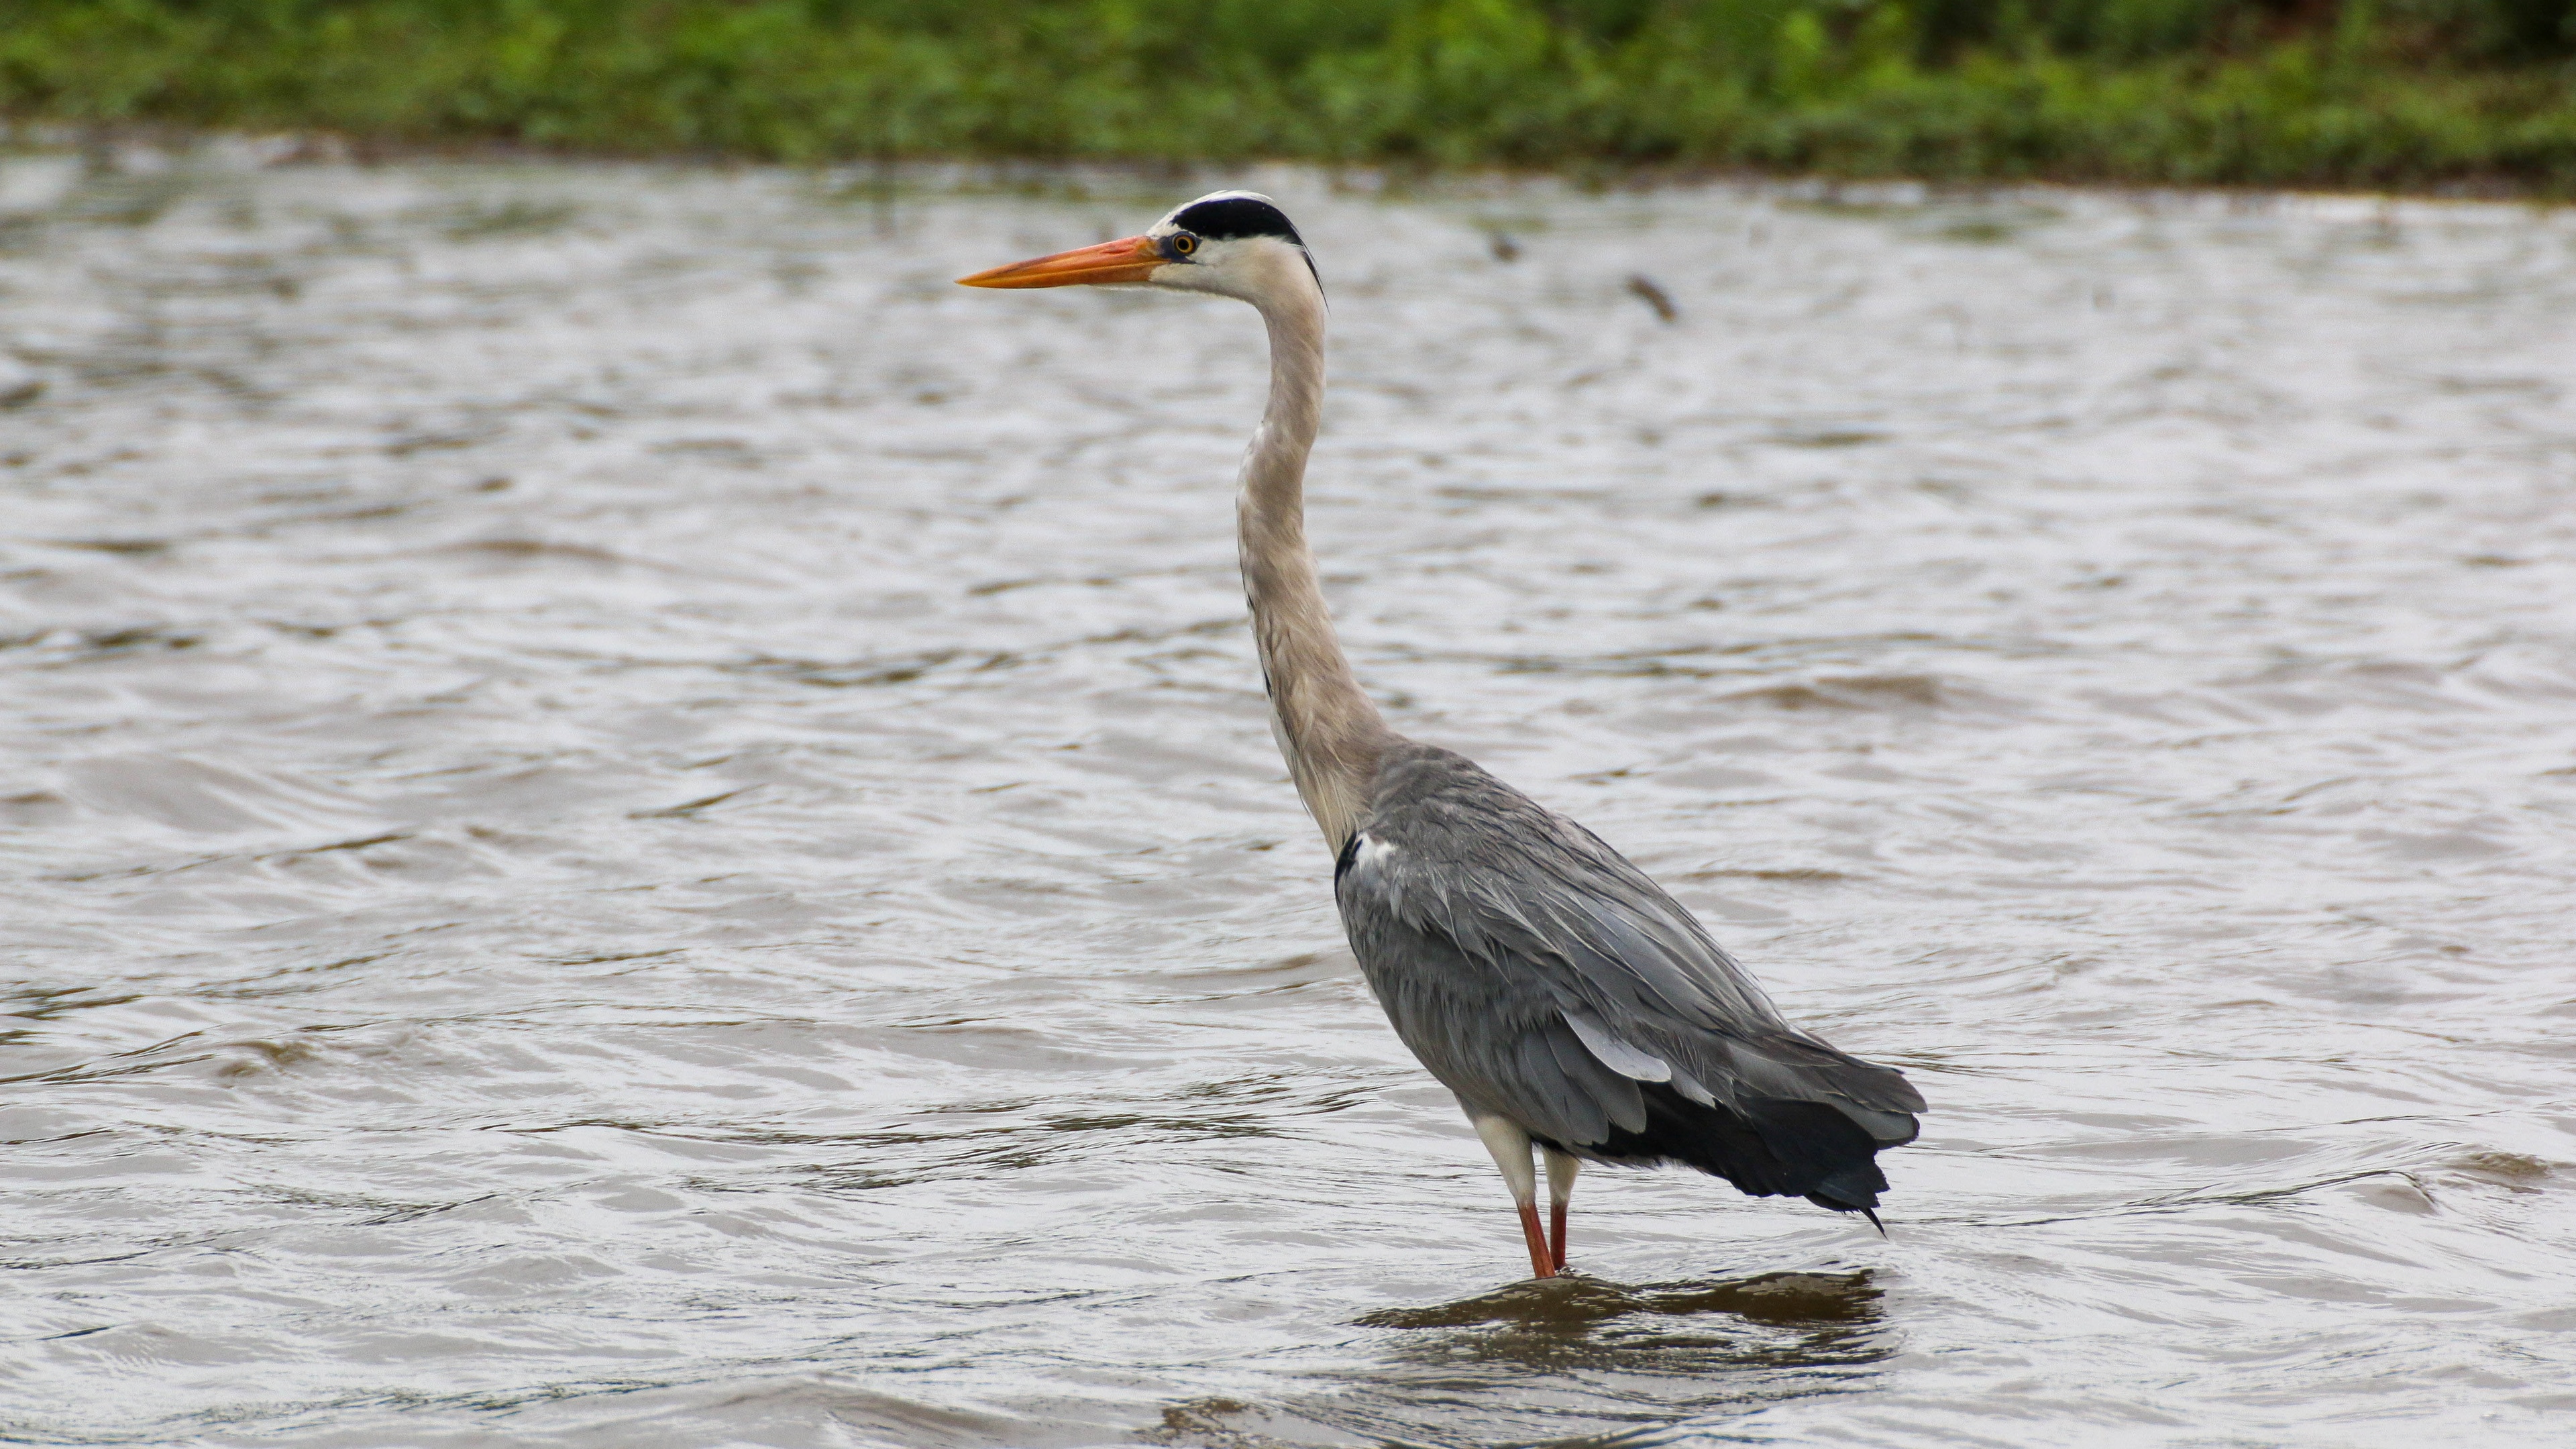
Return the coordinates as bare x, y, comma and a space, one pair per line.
632, 821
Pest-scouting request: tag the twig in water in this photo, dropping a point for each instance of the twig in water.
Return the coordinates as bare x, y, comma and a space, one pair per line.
1644, 289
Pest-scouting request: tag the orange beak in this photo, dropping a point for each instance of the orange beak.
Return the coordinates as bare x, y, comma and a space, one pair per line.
1128, 259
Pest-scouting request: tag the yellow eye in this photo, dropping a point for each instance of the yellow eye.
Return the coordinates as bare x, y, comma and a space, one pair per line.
1184, 243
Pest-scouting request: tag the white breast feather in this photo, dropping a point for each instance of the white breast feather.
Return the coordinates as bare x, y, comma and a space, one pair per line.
1371, 853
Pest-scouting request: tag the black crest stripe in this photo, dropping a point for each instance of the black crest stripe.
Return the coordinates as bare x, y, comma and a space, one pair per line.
1237, 216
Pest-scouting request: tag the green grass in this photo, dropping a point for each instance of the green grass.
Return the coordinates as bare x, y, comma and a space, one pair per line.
2398, 93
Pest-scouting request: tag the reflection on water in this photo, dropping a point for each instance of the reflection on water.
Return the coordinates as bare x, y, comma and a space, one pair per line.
1596, 1351
1578, 1303
631, 820
1661, 1353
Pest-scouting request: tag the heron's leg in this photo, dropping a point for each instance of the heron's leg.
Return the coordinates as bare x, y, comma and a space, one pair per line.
1511, 1148
1560, 1191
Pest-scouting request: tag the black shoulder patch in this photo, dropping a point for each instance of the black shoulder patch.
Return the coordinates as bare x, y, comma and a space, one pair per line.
1229, 217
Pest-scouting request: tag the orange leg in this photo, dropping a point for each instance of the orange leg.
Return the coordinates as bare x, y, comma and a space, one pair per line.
1560, 1187
1543, 1264
1510, 1146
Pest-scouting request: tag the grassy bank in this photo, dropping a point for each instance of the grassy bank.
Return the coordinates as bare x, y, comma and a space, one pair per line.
2303, 92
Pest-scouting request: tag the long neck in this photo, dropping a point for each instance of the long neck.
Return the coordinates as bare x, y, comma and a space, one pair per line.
1330, 731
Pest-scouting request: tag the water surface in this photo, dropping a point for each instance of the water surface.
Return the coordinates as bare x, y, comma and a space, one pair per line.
632, 821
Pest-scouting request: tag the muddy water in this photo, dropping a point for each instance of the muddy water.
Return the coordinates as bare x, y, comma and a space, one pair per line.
632, 821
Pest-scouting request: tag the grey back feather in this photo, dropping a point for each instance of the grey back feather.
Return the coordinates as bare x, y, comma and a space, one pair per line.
1542, 977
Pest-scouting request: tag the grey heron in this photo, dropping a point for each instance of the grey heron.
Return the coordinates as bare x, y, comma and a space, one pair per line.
1567, 1001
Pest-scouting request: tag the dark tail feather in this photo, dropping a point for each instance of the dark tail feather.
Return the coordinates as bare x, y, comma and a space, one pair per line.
1773, 1145
1829, 1157
1872, 1215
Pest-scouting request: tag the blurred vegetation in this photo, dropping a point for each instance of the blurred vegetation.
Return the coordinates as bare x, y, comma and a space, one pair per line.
2339, 92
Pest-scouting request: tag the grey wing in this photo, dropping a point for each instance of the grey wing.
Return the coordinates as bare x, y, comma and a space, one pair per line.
1543, 978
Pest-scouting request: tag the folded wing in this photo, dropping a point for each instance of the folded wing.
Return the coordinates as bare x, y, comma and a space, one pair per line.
1543, 977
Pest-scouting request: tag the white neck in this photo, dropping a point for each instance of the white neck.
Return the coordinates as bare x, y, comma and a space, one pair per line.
1330, 732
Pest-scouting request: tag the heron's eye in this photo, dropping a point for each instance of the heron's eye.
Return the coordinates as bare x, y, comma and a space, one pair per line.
1184, 243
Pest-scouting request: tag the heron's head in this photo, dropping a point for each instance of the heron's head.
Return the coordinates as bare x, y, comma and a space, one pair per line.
1232, 243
